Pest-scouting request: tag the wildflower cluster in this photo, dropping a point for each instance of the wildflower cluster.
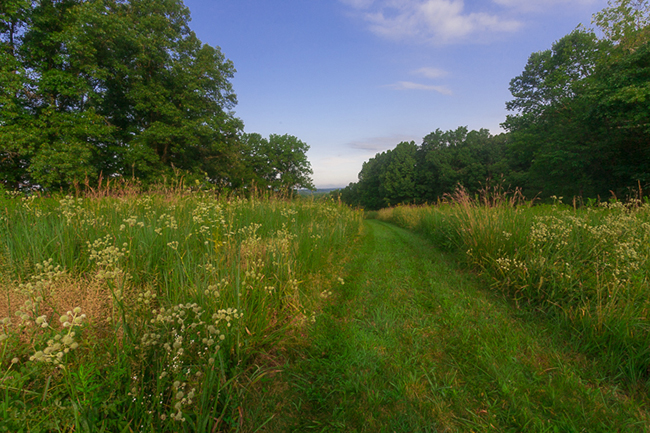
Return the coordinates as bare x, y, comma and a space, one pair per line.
508, 265
214, 290
107, 257
550, 231
175, 324
63, 342
208, 213
167, 221
46, 275
132, 221
29, 204
75, 211
186, 339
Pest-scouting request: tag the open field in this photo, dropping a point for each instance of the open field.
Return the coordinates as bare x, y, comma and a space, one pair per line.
188, 312
413, 343
149, 313
586, 268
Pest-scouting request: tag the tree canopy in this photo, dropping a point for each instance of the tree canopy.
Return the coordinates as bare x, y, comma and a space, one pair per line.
278, 163
116, 88
579, 125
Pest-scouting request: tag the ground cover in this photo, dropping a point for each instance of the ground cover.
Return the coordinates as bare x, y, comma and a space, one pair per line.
585, 268
147, 312
188, 312
413, 343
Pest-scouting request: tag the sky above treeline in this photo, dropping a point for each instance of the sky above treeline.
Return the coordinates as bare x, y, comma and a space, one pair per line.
352, 78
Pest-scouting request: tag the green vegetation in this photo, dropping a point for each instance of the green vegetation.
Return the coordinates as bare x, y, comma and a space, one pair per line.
579, 126
412, 343
105, 89
151, 312
585, 269
142, 307
183, 311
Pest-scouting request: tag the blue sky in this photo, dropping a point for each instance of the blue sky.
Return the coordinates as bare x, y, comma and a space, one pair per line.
352, 78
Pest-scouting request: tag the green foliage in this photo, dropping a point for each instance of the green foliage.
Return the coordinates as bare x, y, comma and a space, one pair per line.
171, 298
581, 120
624, 22
552, 76
109, 88
113, 88
579, 126
278, 163
412, 343
587, 268
417, 174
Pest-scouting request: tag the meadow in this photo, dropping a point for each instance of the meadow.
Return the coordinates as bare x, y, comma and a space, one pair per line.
582, 269
154, 312
179, 310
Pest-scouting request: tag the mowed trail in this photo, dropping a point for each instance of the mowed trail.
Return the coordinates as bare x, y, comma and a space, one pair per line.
411, 343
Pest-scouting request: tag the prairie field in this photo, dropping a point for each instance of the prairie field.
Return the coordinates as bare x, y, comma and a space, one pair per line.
187, 311
584, 268
149, 312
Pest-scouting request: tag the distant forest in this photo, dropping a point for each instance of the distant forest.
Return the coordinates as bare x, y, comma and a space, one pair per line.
579, 126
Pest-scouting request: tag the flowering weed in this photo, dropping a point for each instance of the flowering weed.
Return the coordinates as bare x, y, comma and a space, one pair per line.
587, 267
169, 297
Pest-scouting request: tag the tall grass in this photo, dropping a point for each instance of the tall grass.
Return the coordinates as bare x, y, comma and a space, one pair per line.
149, 312
586, 268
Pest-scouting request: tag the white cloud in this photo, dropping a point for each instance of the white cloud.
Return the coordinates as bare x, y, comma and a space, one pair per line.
380, 144
408, 85
430, 72
542, 5
433, 21
358, 4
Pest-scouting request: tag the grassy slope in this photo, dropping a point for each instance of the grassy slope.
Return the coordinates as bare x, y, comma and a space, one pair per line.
411, 343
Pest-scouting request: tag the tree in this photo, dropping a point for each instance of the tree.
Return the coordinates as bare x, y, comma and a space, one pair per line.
398, 176
416, 174
552, 76
13, 83
119, 87
447, 159
550, 149
369, 189
581, 121
619, 111
279, 163
174, 97
625, 23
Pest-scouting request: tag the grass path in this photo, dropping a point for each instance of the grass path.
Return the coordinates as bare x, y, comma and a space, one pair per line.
410, 343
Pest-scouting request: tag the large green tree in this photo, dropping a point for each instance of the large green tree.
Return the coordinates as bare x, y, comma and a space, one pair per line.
398, 180
417, 174
119, 87
579, 125
580, 109
278, 163
13, 91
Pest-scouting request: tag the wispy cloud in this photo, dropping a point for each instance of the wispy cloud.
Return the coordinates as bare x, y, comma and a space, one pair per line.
433, 21
542, 5
430, 72
380, 144
409, 85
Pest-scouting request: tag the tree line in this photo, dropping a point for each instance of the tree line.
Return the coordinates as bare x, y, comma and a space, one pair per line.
579, 126
124, 88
